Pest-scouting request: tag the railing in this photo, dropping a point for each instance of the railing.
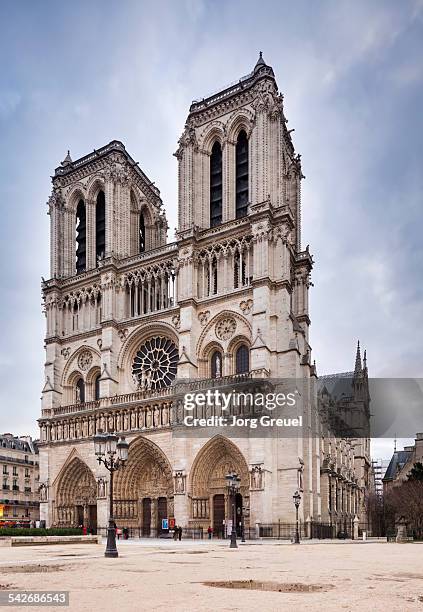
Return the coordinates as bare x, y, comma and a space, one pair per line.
137, 396
71, 408
207, 383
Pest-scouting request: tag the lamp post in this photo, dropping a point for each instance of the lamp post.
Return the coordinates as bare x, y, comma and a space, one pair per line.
113, 454
233, 483
297, 500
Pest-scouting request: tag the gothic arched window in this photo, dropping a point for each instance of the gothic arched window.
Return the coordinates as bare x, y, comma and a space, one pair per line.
216, 365
216, 185
241, 180
80, 392
142, 233
81, 237
242, 359
97, 387
100, 226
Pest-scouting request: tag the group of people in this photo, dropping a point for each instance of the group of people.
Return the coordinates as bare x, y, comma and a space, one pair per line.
177, 533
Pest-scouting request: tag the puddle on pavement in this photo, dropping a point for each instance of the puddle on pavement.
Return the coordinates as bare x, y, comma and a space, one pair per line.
278, 587
32, 569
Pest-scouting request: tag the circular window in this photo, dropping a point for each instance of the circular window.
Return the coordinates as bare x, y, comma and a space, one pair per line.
155, 364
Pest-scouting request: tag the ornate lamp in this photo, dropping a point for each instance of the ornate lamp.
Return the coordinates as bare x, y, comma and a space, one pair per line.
233, 483
297, 500
113, 454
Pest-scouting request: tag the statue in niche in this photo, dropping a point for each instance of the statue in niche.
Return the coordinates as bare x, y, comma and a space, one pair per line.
218, 366
43, 492
165, 415
133, 420
179, 482
141, 379
156, 416
136, 380
101, 488
257, 477
125, 421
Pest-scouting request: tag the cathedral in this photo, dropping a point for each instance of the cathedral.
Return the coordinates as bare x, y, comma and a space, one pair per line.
129, 316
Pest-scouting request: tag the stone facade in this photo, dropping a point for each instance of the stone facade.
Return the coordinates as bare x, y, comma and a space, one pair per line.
401, 464
128, 315
19, 471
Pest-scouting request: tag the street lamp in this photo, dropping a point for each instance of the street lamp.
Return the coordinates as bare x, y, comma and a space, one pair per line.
113, 454
233, 483
297, 500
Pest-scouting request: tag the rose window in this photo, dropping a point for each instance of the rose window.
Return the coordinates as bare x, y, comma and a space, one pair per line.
155, 364
225, 328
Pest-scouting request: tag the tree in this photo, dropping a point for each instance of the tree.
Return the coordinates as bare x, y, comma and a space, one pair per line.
416, 472
406, 500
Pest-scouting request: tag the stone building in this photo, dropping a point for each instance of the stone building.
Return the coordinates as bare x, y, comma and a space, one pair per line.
19, 470
401, 464
129, 314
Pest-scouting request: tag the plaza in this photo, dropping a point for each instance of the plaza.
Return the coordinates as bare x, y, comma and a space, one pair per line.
162, 575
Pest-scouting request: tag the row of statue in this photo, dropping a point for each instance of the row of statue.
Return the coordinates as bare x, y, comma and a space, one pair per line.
84, 427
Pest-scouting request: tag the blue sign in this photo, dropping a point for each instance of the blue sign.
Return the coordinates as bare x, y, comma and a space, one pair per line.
165, 523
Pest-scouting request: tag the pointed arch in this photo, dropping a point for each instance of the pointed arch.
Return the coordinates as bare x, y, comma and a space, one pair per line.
81, 236
148, 472
100, 226
216, 184
75, 484
241, 175
213, 461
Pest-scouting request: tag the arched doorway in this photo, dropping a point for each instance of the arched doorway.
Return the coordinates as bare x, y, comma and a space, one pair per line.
211, 504
144, 489
76, 497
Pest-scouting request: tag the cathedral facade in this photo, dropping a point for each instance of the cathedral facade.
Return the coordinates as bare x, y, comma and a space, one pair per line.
128, 315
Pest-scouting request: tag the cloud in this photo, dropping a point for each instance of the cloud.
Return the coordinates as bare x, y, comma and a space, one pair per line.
351, 77
9, 102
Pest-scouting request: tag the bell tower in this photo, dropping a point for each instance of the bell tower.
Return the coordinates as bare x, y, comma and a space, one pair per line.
239, 218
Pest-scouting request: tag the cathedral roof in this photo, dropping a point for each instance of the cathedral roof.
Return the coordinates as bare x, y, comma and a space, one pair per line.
68, 165
261, 70
398, 460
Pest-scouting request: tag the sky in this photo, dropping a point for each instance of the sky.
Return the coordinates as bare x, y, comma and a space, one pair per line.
76, 75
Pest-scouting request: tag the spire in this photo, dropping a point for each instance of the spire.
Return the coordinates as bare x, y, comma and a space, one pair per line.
260, 62
365, 360
357, 369
67, 160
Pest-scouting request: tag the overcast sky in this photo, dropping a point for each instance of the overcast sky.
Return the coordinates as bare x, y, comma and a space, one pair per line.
75, 75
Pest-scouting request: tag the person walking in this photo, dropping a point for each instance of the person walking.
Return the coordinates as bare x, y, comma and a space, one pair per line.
180, 533
210, 532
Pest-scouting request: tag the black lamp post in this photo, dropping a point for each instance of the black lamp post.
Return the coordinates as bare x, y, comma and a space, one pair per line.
113, 454
297, 500
233, 482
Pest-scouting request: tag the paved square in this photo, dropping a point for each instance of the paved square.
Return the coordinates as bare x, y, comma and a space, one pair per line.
167, 575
